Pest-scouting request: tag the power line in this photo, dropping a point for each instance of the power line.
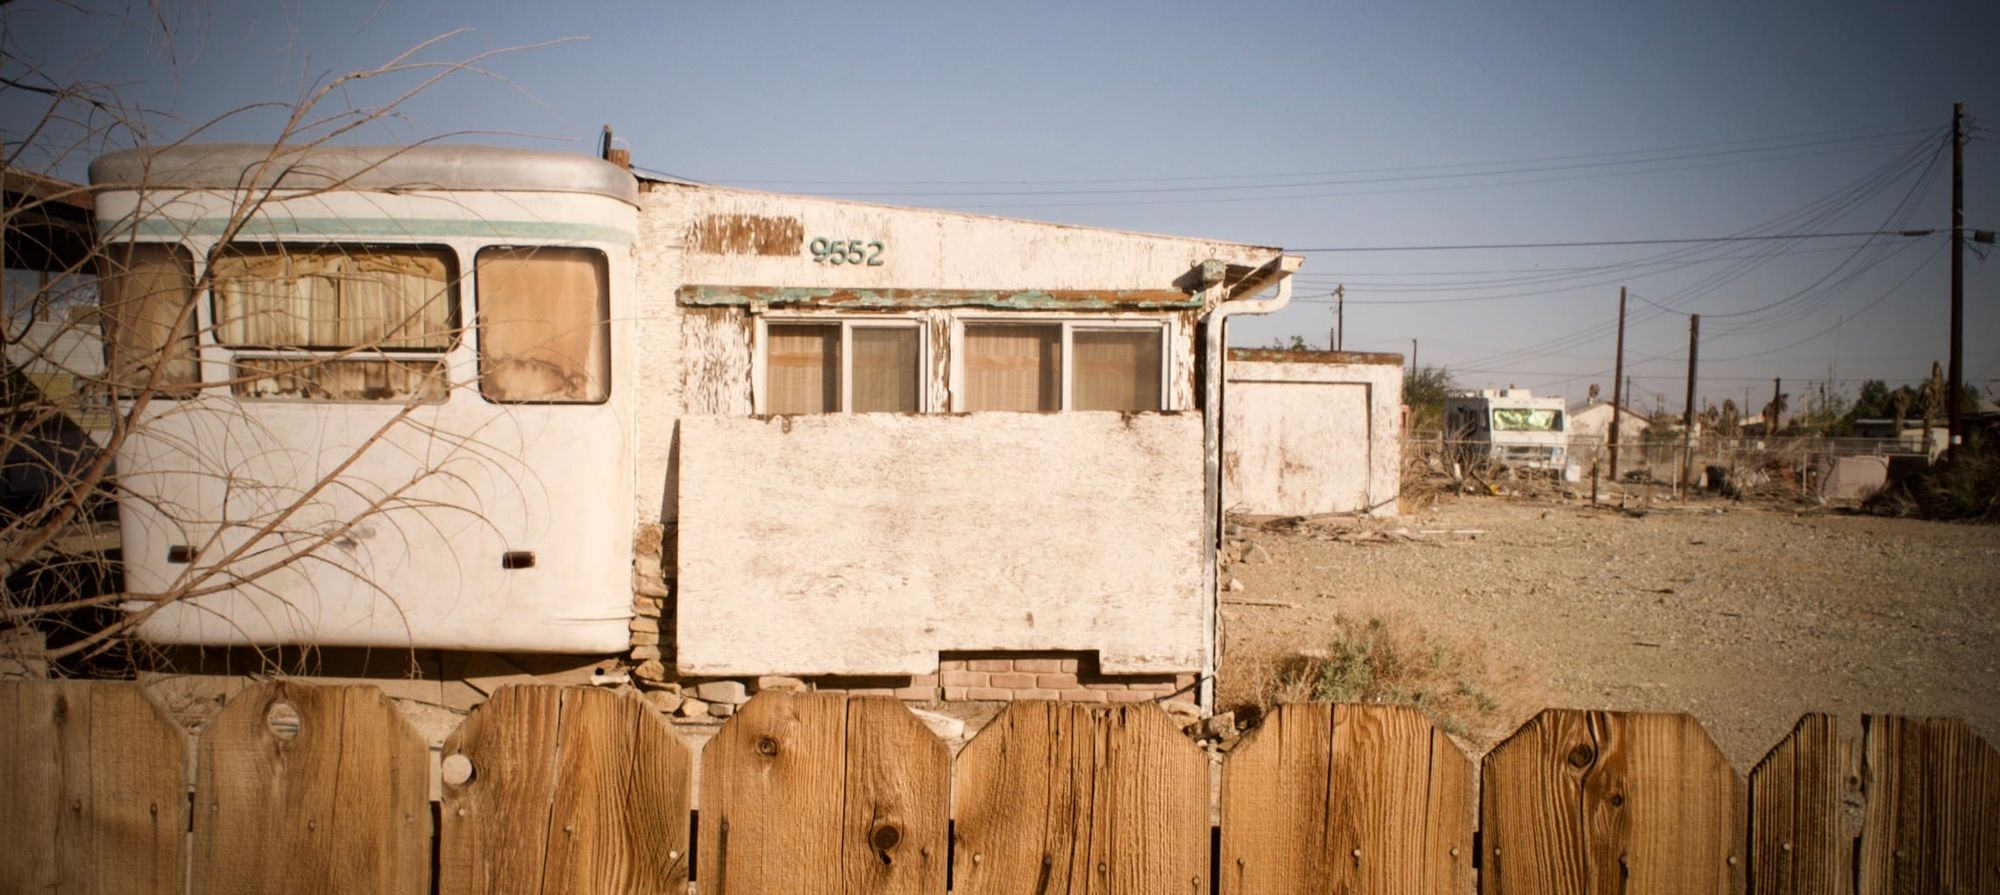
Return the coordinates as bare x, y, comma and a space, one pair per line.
1666, 153
1592, 243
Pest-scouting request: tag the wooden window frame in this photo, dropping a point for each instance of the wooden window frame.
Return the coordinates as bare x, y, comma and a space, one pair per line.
760, 388
1070, 326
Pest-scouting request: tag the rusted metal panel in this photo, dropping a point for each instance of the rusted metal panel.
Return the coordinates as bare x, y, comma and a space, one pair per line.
746, 234
1016, 300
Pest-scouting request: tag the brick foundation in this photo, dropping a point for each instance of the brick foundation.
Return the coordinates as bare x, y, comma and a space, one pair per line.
1068, 676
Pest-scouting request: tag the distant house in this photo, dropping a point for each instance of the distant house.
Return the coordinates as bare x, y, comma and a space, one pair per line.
1590, 430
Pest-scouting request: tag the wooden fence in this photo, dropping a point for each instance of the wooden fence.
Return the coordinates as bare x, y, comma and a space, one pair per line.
296, 788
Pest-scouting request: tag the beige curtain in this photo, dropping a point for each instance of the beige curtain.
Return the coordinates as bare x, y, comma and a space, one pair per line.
802, 368
885, 369
1012, 366
333, 297
544, 325
144, 289
1116, 369
341, 380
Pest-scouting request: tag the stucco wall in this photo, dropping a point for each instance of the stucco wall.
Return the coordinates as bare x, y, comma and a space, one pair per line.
1306, 437
868, 544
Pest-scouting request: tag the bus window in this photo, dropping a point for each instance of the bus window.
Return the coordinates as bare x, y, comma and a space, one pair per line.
144, 290
336, 323
544, 325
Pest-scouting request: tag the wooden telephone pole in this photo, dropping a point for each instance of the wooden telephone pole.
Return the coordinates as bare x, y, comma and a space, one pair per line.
1618, 384
1954, 384
1687, 416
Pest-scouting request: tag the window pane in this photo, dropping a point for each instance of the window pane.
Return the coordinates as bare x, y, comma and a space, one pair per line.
334, 297
312, 379
145, 289
802, 368
885, 369
1116, 369
1013, 366
544, 325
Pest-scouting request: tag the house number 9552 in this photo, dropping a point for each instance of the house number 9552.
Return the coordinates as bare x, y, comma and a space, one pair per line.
846, 251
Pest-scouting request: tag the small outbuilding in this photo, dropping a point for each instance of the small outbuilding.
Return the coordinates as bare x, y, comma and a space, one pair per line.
1311, 432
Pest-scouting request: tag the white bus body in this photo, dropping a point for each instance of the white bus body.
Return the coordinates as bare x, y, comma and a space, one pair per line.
1512, 427
438, 517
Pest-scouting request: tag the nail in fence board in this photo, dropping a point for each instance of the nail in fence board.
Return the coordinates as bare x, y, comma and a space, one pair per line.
815, 793
1801, 834
95, 779
1598, 802
307, 789
1056, 798
1931, 819
1346, 798
571, 790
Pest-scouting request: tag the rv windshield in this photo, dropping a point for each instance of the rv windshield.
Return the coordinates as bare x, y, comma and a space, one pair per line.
1520, 419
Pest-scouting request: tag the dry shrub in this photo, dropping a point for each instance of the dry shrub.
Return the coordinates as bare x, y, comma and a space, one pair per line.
1377, 661
1962, 488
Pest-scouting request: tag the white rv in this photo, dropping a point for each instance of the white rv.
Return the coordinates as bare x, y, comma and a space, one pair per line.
1510, 426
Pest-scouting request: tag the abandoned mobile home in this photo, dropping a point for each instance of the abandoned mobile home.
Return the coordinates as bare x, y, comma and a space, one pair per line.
720, 433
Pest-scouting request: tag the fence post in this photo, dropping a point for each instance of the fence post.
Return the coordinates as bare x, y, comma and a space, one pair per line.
815, 792
1059, 798
95, 798
563, 789
303, 788
1349, 798
1584, 802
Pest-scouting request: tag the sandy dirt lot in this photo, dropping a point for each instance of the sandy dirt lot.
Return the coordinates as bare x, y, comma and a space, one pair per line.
1744, 616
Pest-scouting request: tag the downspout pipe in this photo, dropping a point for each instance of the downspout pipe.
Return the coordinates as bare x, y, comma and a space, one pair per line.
1224, 302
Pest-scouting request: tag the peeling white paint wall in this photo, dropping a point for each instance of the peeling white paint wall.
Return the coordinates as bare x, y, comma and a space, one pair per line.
867, 544
1305, 437
926, 249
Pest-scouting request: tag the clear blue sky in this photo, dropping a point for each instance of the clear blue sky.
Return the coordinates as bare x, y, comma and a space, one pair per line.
1308, 126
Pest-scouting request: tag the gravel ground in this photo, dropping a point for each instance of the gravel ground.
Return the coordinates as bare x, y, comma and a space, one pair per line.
1744, 616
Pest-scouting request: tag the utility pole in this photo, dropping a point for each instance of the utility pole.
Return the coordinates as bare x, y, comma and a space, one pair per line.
1339, 316
1413, 357
1777, 391
1617, 384
1953, 384
1687, 422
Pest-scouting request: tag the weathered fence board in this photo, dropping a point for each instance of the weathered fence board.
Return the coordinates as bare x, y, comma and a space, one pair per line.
96, 790
1346, 799
1590, 802
814, 793
552, 789
1065, 798
1931, 818
1801, 840
303, 788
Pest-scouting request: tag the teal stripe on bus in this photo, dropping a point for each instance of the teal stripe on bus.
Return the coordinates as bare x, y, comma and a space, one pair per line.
402, 228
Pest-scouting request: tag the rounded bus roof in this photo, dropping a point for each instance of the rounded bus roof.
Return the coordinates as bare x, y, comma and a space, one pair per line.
440, 167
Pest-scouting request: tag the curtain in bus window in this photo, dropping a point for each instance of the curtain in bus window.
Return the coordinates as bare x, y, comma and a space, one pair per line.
341, 380
1115, 369
801, 368
333, 297
144, 291
885, 369
1013, 367
544, 325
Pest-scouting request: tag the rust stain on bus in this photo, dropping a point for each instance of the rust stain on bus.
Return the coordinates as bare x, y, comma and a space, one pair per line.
746, 234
